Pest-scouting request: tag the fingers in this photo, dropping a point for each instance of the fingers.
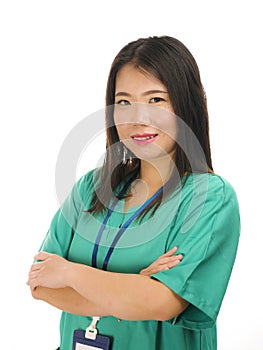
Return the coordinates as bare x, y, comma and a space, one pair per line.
170, 252
164, 262
33, 273
35, 268
48, 271
42, 256
156, 267
32, 283
172, 263
167, 263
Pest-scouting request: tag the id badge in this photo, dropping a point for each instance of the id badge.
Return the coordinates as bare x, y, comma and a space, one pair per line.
81, 342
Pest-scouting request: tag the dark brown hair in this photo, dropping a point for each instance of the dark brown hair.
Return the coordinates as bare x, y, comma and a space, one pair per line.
171, 62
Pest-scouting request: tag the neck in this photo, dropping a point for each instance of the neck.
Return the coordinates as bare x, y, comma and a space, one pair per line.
156, 173
153, 175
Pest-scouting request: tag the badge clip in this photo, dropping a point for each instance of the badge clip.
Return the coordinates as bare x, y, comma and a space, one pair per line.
91, 331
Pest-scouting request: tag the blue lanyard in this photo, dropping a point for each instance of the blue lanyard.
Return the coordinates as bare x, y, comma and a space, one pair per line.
122, 229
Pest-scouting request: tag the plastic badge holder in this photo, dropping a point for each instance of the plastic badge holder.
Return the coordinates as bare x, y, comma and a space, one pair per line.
90, 339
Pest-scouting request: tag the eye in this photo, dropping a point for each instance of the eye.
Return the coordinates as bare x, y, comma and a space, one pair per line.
123, 103
156, 100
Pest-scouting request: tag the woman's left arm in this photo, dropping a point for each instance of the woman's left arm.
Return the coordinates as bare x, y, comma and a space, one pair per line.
68, 300
124, 296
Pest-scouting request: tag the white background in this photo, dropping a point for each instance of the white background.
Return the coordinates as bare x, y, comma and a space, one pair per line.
55, 57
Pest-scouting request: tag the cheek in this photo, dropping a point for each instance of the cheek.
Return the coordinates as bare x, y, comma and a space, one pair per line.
168, 128
169, 144
123, 131
165, 121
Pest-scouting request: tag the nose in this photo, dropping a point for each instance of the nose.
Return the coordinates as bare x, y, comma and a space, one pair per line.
141, 114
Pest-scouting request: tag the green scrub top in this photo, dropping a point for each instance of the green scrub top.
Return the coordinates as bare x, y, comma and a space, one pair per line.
201, 219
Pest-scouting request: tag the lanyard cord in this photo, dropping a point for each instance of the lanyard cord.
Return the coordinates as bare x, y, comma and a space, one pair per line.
122, 229
102, 228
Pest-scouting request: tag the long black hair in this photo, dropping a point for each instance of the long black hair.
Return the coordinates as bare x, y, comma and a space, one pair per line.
167, 59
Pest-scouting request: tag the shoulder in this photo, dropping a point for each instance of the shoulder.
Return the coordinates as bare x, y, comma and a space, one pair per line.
204, 198
212, 185
90, 178
222, 190
87, 183
207, 194
217, 182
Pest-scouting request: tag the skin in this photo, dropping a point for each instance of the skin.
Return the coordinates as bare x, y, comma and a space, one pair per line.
84, 290
125, 296
143, 106
69, 300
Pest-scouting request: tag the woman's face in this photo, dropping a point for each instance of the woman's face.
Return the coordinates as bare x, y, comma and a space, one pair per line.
143, 114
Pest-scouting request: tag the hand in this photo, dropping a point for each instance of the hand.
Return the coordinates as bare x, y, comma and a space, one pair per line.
49, 272
164, 262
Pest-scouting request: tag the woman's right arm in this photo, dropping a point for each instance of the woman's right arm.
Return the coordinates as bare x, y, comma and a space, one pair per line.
68, 300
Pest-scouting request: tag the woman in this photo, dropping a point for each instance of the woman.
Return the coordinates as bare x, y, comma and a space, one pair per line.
110, 250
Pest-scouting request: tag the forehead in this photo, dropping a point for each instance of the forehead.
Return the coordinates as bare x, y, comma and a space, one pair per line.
132, 79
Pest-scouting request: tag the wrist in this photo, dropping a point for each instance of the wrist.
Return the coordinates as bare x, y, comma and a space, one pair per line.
78, 275
70, 272
74, 274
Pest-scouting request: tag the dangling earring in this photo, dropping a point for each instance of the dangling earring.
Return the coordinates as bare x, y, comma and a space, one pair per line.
130, 160
124, 157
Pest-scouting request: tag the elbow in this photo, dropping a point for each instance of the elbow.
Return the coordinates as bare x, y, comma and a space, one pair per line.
170, 307
164, 314
35, 293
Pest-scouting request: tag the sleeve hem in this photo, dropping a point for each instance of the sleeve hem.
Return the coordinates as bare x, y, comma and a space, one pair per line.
193, 300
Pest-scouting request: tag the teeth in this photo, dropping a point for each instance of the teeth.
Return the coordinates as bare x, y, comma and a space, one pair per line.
144, 138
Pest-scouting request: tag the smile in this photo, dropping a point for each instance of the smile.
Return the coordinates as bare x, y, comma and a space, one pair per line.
143, 139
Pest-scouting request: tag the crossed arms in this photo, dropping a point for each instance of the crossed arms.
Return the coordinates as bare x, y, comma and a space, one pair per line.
83, 290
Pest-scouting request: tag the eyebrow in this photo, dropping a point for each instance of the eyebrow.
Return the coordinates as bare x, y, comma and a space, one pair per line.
149, 92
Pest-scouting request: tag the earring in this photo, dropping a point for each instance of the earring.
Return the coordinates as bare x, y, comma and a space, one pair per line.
130, 160
124, 157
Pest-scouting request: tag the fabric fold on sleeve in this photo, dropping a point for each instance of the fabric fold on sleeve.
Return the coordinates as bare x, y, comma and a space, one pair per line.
209, 247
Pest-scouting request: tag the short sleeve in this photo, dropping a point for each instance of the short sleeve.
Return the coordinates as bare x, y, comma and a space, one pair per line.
63, 224
209, 245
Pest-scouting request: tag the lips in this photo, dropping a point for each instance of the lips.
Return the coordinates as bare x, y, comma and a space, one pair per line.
143, 139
